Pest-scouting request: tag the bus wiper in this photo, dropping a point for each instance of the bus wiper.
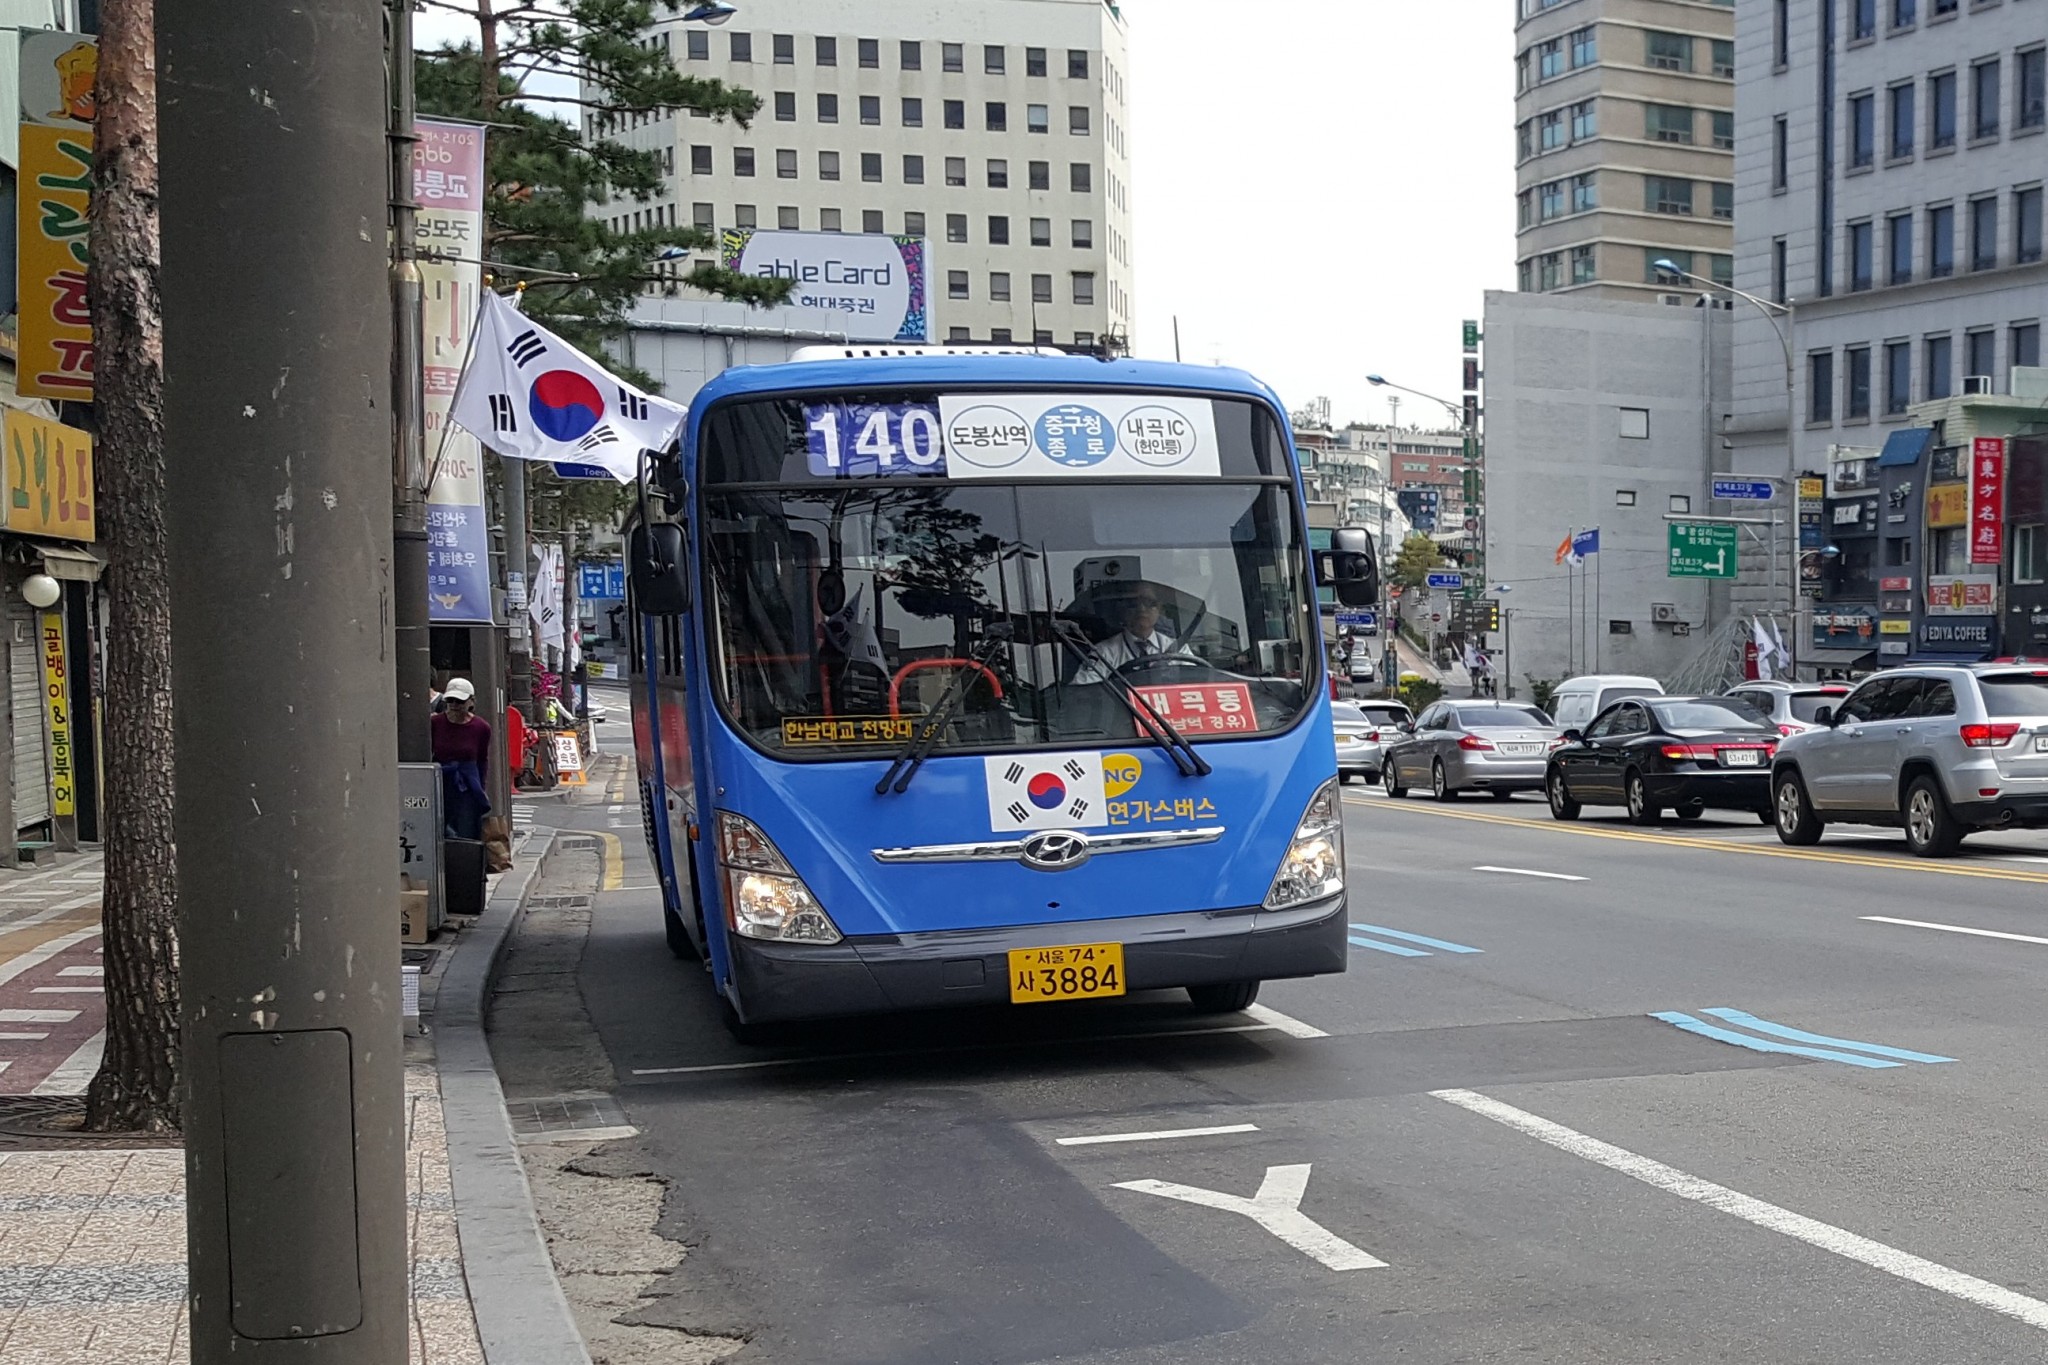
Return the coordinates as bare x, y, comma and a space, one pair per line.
926, 738
1183, 754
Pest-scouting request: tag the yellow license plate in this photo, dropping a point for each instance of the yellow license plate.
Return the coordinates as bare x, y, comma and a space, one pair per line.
1076, 971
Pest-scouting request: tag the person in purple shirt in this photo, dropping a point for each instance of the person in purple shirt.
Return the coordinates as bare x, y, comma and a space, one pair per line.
462, 746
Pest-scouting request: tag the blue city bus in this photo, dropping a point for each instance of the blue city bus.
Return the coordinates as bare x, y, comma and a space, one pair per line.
977, 678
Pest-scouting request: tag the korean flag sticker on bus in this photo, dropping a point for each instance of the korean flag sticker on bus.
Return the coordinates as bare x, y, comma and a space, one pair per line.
1045, 791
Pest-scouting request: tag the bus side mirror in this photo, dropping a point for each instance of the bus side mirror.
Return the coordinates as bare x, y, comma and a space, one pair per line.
661, 577
1350, 567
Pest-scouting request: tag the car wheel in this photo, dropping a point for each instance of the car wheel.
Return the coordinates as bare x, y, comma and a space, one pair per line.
1223, 997
1692, 810
1793, 812
1932, 830
1641, 811
1440, 782
1390, 781
1562, 807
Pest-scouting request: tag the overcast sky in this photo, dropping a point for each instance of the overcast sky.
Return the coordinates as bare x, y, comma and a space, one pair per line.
1322, 192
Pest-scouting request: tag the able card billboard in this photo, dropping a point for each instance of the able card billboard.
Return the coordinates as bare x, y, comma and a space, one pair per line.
874, 282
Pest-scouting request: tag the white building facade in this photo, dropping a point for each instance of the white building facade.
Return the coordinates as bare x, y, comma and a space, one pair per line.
997, 130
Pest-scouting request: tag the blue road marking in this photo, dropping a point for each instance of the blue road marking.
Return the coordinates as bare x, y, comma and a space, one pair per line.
1750, 1021
1722, 1035
1393, 948
1414, 938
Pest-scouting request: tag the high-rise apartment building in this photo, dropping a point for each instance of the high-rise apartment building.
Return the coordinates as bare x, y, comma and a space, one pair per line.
998, 130
1624, 144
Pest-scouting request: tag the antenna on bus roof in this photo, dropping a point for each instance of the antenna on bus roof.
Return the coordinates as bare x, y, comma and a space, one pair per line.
1176, 338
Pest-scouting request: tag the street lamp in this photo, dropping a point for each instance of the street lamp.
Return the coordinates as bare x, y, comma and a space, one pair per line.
712, 12
1476, 504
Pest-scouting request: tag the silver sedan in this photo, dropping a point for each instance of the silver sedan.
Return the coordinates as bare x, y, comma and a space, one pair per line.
1477, 745
1363, 729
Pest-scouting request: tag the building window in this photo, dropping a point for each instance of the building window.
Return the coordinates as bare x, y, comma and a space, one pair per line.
1635, 424
787, 218
1552, 196
1041, 289
1550, 59
1585, 125
828, 107
998, 175
1582, 265
1084, 234
784, 46
785, 163
827, 51
992, 59
996, 117
1550, 270
957, 334
1668, 51
1937, 363
1678, 502
1079, 176
2026, 553
1856, 401
1820, 387
2025, 344
871, 220
1941, 109
1552, 129
1781, 152
1862, 130
1040, 175
1585, 193
1077, 64
1724, 201
999, 286
1781, 34
703, 217
1781, 282
956, 113
743, 161
2030, 95
1980, 352
1899, 228
1034, 61
1860, 255
953, 56
1585, 47
1724, 59
1983, 233
956, 284
913, 112
741, 45
956, 227
785, 106
1084, 340
1941, 241
998, 230
913, 223
1898, 376
1667, 122
956, 170
871, 110
698, 45
1525, 275
910, 55
1662, 194
1863, 19
700, 161
1524, 212
1984, 99
1904, 12
828, 165
1524, 147
871, 167
1624, 497
1084, 287
828, 220
1724, 129
1041, 232
2026, 225
1077, 120
1902, 115
913, 169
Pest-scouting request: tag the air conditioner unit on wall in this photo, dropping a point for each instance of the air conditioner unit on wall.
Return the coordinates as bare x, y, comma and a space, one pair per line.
1663, 612
1976, 383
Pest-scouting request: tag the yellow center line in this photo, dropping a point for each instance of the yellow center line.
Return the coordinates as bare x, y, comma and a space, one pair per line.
615, 862
1715, 845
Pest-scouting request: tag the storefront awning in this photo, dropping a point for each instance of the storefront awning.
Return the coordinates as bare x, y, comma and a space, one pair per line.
79, 563
1905, 447
1836, 658
1944, 656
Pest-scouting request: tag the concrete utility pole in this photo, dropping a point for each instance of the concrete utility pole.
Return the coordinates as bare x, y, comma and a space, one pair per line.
277, 357
519, 640
414, 667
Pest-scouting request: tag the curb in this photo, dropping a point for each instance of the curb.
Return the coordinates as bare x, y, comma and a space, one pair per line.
522, 1317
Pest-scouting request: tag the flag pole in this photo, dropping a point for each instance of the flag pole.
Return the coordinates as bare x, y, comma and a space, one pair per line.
1597, 629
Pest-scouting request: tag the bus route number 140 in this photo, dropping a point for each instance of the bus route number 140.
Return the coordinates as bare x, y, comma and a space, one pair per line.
873, 440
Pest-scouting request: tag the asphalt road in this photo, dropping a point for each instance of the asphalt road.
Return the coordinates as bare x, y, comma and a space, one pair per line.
1481, 1143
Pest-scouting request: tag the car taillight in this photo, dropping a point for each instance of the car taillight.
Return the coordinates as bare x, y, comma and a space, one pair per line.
1989, 736
1372, 736
1682, 753
1475, 742
1786, 730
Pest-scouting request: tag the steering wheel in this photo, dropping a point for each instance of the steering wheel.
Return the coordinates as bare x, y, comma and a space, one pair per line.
1162, 661
896, 683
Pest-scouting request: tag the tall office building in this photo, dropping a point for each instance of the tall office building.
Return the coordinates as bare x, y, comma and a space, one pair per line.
1624, 144
998, 130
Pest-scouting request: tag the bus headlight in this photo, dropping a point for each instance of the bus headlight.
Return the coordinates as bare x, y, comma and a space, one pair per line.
1313, 868
764, 898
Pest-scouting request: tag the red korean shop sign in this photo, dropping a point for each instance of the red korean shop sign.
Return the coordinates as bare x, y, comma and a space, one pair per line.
1987, 500
1203, 708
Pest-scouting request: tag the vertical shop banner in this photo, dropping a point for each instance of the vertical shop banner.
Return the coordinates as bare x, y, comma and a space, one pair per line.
57, 715
448, 186
52, 200
1987, 500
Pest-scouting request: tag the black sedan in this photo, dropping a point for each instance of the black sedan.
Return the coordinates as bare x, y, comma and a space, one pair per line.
1650, 753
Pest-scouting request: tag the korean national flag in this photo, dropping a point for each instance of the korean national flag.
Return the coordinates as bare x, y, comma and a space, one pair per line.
529, 395
1045, 791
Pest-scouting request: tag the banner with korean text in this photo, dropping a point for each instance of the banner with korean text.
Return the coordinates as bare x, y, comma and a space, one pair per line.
52, 199
448, 186
1987, 500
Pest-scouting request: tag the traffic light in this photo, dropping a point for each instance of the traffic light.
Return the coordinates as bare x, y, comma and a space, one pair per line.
1471, 374
1490, 613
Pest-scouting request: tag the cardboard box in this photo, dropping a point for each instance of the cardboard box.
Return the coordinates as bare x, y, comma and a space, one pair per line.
412, 916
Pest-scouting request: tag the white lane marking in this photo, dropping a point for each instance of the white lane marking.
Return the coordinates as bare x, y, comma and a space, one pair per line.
1953, 929
23, 1037
1530, 872
64, 990
1277, 1209
81, 971
37, 1016
1292, 1027
43, 952
77, 1070
613, 810
821, 1058
1157, 1136
1798, 1226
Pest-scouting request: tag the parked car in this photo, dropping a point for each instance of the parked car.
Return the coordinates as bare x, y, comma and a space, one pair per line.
1363, 728
1940, 752
1788, 705
1653, 753
1457, 746
1577, 700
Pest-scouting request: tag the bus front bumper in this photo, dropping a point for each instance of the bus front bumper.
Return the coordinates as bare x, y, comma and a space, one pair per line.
939, 968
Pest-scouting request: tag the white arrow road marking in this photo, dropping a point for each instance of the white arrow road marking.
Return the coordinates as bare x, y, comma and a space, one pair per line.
1277, 1209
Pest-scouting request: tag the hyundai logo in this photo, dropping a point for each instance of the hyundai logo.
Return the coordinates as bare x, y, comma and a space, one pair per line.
1056, 851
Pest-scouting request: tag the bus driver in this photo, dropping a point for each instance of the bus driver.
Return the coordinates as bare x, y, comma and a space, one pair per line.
1140, 638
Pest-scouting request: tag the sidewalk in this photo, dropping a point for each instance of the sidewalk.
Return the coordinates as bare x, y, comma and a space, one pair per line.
50, 1013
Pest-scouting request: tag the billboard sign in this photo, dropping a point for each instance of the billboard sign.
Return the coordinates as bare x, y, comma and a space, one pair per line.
1961, 594
1743, 490
52, 198
1987, 500
46, 479
875, 283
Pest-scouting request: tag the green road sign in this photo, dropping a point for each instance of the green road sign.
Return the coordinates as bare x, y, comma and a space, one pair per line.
1471, 335
1702, 550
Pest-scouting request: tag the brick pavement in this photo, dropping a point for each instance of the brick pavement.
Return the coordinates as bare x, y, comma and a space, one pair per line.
51, 1010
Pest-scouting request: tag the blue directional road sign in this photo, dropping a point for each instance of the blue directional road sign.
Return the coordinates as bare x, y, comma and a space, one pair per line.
601, 581
566, 470
1360, 622
1743, 490
1447, 580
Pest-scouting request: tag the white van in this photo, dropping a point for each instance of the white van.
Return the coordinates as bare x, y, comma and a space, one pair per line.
1578, 700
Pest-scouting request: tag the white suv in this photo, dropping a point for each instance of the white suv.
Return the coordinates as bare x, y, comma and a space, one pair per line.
1940, 752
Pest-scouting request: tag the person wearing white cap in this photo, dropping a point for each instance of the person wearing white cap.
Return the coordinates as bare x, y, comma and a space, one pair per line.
462, 746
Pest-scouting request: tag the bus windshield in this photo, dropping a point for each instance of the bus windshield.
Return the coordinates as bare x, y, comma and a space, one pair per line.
842, 611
